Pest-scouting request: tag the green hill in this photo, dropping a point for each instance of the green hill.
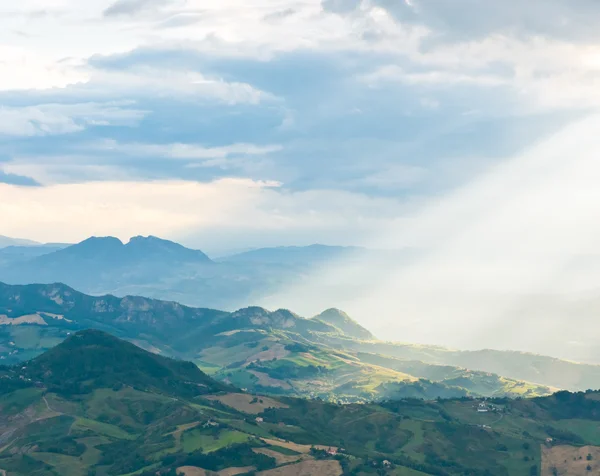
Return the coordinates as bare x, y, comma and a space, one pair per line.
108, 426
93, 359
345, 323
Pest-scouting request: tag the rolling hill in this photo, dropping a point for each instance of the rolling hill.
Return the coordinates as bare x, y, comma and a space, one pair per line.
275, 352
345, 323
143, 414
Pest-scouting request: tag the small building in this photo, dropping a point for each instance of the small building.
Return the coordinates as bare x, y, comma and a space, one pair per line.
482, 408
332, 451
386, 463
259, 420
549, 440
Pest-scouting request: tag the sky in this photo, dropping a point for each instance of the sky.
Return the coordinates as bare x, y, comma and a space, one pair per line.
464, 129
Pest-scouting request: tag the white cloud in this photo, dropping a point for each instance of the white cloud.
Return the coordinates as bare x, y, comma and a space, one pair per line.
445, 79
22, 69
187, 151
132, 7
56, 119
208, 213
77, 165
168, 83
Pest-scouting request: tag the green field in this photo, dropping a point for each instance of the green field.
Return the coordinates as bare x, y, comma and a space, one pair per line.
195, 440
101, 428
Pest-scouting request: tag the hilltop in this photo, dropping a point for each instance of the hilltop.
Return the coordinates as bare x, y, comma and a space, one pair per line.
140, 413
345, 323
92, 359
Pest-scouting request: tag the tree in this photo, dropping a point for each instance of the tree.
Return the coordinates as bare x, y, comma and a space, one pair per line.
589, 457
533, 471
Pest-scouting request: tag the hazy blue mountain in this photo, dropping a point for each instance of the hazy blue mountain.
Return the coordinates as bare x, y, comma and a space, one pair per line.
8, 241
101, 265
292, 255
12, 254
109, 251
163, 269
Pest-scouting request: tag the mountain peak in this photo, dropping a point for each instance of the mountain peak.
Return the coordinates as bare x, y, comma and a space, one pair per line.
258, 317
152, 245
96, 240
93, 247
345, 323
148, 239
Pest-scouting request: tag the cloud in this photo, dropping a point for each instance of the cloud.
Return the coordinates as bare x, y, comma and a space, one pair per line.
476, 19
189, 151
20, 180
23, 69
440, 78
56, 119
132, 7
341, 6
108, 160
209, 215
232, 157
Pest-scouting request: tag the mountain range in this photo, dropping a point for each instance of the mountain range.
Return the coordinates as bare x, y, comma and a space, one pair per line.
97, 405
329, 356
162, 269
8, 241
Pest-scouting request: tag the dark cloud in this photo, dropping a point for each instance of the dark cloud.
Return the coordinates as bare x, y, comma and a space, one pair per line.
131, 7
22, 180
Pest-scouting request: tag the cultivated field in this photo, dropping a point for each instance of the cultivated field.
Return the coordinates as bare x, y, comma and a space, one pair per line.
570, 460
246, 403
307, 468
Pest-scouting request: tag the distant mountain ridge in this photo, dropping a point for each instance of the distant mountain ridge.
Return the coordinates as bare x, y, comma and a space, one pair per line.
8, 241
163, 269
139, 248
284, 255
275, 352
